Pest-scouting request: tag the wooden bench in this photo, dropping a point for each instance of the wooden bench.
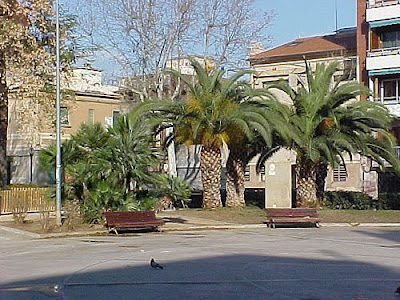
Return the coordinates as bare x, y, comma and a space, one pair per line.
291, 216
131, 220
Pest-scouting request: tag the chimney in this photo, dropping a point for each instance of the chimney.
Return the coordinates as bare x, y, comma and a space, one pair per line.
362, 40
255, 48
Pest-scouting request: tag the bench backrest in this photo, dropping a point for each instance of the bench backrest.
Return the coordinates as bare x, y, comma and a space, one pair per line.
139, 216
291, 212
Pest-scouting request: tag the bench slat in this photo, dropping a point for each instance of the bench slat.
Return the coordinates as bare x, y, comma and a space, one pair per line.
131, 219
291, 216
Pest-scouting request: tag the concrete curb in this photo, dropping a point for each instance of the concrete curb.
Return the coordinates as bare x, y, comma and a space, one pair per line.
214, 227
360, 224
184, 228
50, 235
255, 226
20, 232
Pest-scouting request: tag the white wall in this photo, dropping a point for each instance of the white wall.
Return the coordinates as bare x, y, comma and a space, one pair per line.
383, 13
383, 62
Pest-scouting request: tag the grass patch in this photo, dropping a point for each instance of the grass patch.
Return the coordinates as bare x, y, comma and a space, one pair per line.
359, 216
255, 215
248, 215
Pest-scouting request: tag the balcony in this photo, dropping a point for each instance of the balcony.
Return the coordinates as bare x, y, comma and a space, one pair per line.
380, 3
380, 10
394, 110
385, 58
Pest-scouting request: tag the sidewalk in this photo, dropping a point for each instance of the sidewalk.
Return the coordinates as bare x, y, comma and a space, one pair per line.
172, 223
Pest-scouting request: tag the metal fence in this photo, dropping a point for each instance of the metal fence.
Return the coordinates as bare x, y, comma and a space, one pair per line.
31, 199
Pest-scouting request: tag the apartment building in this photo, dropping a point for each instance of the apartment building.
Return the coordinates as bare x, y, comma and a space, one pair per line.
379, 30
287, 62
32, 120
378, 39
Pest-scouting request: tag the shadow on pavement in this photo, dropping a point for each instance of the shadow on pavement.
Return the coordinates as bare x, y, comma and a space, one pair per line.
221, 277
390, 235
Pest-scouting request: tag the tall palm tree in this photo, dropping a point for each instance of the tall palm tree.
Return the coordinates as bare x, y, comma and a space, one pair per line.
327, 121
243, 150
210, 116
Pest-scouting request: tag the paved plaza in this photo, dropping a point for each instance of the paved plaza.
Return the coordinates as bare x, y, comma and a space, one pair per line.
284, 263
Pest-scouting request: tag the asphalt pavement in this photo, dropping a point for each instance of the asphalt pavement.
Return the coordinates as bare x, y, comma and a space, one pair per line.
242, 263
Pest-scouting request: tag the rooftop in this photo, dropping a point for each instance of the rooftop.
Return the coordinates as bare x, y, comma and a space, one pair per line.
340, 43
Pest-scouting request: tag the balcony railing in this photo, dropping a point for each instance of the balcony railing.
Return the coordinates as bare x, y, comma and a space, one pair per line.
380, 3
384, 51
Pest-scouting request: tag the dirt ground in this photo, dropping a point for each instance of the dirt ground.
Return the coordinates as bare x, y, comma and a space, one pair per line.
249, 215
32, 224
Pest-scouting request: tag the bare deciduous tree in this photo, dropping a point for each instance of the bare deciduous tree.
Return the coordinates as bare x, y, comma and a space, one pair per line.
228, 27
24, 44
140, 35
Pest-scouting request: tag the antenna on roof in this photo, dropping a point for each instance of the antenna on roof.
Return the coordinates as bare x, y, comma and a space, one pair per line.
336, 16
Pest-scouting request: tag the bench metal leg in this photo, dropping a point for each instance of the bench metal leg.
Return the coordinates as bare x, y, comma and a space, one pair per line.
113, 229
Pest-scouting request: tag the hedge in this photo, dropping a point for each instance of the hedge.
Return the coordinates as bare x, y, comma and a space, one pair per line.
361, 201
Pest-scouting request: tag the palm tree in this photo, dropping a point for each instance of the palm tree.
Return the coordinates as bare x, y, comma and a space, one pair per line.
243, 150
210, 116
327, 121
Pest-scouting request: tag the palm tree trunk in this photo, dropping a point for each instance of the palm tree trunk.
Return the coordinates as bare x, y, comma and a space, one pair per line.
210, 167
306, 195
235, 182
3, 120
321, 174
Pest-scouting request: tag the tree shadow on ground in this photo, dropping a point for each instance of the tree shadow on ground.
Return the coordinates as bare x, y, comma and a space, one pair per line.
389, 235
174, 220
220, 277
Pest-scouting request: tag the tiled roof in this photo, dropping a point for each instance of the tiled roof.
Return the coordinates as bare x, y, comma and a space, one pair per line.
310, 47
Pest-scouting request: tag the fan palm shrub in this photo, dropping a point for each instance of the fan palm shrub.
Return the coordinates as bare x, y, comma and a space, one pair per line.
107, 168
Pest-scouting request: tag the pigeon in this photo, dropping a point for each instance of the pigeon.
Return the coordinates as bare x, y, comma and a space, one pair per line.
155, 264
398, 290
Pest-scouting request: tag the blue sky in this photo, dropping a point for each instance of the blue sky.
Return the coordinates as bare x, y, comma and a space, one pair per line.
301, 18
294, 19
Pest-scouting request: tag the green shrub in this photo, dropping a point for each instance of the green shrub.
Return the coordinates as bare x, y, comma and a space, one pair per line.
387, 201
174, 187
361, 201
347, 200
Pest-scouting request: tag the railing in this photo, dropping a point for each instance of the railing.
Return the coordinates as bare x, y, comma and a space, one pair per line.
380, 3
384, 51
29, 199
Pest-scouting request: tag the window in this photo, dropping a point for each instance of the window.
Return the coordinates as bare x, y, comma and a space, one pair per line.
390, 90
340, 173
262, 174
390, 39
115, 116
247, 173
350, 69
64, 116
91, 116
266, 84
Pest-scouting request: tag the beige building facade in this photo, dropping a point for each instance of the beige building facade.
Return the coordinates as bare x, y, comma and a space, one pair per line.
287, 62
32, 120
